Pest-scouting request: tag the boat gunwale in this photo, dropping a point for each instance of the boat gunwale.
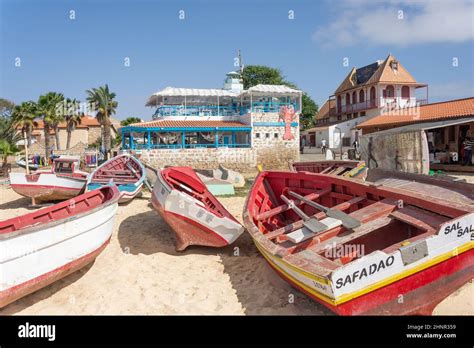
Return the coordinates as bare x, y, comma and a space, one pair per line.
42, 225
90, 178
280, 251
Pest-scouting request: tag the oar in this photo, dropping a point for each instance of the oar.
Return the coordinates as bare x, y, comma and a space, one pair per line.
347, 220
312, 224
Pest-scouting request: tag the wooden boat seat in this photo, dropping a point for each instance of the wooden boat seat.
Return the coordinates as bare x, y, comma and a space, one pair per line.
320, 215
419, 218
375, 210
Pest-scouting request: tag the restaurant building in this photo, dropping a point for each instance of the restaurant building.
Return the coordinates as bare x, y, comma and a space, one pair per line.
231, 126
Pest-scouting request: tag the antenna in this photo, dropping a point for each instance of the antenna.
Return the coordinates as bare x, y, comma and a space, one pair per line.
241, 66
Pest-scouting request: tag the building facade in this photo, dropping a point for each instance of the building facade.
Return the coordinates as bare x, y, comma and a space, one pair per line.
231, 126
382, 87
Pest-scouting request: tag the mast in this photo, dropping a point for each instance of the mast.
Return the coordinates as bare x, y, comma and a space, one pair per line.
241, 66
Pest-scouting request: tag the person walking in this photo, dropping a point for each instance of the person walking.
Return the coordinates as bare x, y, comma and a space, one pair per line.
323, 146
468, 151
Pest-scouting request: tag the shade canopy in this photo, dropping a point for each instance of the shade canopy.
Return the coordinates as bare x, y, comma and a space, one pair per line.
193, 96
266, 90
201, 96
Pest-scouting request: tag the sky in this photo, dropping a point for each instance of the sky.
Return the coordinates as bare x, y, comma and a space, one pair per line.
139, 47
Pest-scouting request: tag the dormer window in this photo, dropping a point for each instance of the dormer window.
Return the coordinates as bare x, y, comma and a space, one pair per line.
394, 65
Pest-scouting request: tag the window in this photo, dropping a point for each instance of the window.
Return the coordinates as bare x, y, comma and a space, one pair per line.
389, 92
372, 93
349, 116
356, 115
346, 141
405, 92
361, 96
354, 97
275, 135
339, 117
362, 113
267, 135
348, 99
257, 135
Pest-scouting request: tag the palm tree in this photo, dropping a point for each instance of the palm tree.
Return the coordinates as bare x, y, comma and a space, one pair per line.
7, 130
105, 107
6, 149
73, 118
23, 117
48, 106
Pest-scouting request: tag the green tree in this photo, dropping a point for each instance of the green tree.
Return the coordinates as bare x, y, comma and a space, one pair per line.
49, 109
23, 118
261, 74
72, 118
105, 107
6, 149
130, 120
7, 130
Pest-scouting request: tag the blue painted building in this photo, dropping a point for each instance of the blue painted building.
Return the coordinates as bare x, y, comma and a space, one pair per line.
231, 118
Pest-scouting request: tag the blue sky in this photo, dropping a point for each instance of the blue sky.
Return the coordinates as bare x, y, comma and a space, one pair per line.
70, 56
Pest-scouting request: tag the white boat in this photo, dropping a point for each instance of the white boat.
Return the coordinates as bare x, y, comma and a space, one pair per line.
63, 181
46, 245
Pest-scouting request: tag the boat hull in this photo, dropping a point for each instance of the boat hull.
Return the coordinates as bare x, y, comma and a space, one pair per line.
46, 186
37, 256
417, 294
407, 255
128, 190
192, 224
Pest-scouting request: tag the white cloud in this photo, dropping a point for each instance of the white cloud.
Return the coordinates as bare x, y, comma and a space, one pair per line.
361, 21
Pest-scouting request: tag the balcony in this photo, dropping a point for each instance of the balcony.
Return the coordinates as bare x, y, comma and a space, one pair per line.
368, 104
221, 110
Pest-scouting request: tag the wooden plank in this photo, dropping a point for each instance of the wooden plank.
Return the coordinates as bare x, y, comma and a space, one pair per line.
284, 207
299, 224
418, 218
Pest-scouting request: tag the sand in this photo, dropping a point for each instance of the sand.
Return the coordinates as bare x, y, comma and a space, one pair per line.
141, 273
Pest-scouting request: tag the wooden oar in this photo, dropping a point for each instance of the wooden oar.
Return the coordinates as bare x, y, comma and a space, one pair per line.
312, 224
347, 220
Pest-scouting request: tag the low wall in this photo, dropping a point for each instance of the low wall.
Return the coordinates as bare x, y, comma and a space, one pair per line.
240, 159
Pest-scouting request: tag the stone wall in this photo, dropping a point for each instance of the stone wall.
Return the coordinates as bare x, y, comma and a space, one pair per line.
273, 152
240, 159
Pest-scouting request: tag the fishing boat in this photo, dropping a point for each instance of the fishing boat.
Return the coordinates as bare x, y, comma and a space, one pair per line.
125, 171
63, 181
21, 162
46, 245
194, 214
351, 169
359, 248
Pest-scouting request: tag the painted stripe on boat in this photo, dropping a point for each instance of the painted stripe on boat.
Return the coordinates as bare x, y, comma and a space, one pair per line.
345, 298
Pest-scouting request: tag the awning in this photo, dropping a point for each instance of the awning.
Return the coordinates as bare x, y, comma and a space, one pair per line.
186, 125
193, 96
422, 126
268, 90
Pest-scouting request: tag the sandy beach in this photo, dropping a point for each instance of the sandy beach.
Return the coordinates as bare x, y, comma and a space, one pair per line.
141, 273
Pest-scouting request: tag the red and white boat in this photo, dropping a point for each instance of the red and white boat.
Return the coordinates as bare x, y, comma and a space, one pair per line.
62, 182
125, 171
41, 247
195, 215
358, 248
349, 169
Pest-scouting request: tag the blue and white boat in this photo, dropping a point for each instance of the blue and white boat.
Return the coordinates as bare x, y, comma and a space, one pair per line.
125, 171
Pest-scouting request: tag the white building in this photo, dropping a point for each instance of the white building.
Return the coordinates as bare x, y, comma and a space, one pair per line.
379, 88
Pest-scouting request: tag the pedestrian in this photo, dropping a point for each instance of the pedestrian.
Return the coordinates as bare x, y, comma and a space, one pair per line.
468, 151
323, 146
355, 144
